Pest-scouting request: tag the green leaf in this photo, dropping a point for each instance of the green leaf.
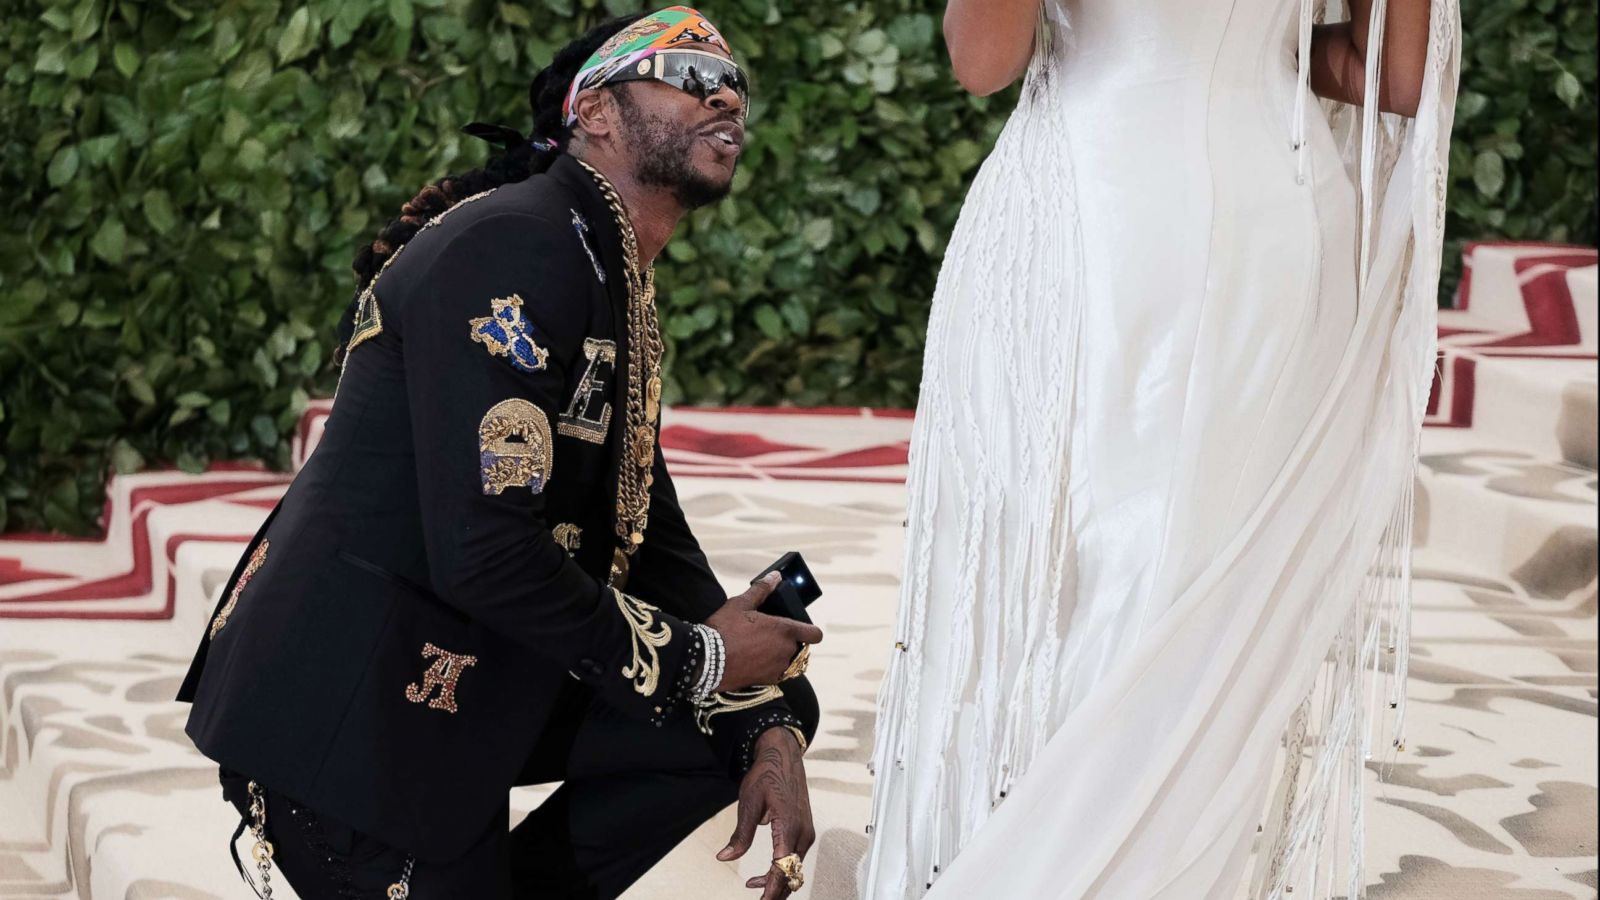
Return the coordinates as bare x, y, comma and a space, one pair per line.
110, 241
400, 12
770, 323
344, 114
865, 200
252, 155
127, 118
97, 150
189, 462
83, 64
869, 42
141, 390
1470, 104
297, 38
515, 16
911, 33
126, 59
125, 460
1568, 89
265, 431
158, 211
63, 166
818, 233
85, 20
51, 59
100, 317
57, 18
965, 154
1489, 173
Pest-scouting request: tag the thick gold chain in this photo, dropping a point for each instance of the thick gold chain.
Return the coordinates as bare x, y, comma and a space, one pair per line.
644, 380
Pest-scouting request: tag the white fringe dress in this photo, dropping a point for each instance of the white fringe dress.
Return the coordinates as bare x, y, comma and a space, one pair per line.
1161, 475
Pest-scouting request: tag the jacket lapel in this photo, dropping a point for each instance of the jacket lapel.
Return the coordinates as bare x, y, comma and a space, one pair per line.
608, 244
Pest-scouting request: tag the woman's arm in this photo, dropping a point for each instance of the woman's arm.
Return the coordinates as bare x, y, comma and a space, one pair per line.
990, 41
1339, 56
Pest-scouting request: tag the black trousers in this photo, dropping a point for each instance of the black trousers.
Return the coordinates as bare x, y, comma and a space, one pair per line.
630, 792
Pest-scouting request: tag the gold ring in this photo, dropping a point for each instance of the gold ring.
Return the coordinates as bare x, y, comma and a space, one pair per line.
797, 666
789, 867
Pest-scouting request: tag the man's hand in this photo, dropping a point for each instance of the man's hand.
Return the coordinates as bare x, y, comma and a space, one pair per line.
774, 793
760, 647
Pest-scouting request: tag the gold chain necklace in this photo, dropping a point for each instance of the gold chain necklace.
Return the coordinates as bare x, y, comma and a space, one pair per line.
634, 476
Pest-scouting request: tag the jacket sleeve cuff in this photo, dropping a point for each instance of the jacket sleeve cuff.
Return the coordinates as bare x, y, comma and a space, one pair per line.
733, 720
653, 675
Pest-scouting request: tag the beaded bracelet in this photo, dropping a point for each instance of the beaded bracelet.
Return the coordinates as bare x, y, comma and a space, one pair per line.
715, 663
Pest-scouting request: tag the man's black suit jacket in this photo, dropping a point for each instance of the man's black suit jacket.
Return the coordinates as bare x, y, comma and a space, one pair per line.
389, 648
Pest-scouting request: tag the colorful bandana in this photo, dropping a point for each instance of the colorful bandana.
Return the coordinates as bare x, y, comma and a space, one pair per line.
673, 28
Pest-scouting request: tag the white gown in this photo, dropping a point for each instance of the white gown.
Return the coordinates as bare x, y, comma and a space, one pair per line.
1159, 518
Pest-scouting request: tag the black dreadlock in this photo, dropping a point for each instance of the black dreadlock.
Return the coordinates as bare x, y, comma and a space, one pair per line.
546, 95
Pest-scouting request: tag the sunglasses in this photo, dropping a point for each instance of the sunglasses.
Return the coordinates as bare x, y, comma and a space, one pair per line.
695, 72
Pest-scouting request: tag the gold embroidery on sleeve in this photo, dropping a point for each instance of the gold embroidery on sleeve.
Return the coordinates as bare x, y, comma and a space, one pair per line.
734, 701
648, 636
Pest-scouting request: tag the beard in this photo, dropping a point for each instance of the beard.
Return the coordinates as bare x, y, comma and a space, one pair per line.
663, 150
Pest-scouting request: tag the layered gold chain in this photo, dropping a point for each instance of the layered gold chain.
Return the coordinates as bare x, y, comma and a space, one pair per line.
644, 381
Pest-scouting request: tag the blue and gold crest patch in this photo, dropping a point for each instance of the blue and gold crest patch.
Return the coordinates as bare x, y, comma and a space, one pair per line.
514, 447
509, 334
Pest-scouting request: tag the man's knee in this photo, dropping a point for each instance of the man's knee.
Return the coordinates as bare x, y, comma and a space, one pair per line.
802, 700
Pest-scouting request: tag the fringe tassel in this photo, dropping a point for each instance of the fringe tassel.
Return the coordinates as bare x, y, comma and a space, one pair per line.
962, 749
1302, 93
1370, 120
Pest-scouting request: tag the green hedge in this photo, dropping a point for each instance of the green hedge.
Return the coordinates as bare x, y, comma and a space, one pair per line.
1523, 162
193, 178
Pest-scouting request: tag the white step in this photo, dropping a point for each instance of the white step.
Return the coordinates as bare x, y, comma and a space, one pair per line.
1505, 510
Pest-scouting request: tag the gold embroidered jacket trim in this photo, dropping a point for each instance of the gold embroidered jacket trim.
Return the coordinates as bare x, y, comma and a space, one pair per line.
733, 701
258, 557
649, 635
